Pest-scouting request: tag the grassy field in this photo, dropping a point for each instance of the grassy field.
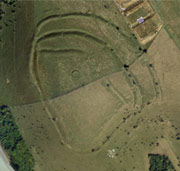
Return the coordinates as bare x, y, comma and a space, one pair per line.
81, 92
84, 46
16, 86
77, 129
171, 21
90, 32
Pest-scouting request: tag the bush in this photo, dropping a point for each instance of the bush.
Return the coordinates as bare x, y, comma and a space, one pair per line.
160, 163
9, 1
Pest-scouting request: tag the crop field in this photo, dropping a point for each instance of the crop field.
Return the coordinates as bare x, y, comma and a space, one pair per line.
143, 10
142, 19
128, 4
83, 91
149, 28
137, 14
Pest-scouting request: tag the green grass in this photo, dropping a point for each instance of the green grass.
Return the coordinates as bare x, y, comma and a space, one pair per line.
91, 66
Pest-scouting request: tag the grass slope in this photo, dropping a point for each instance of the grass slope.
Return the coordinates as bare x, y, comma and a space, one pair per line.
171, 21
90, 31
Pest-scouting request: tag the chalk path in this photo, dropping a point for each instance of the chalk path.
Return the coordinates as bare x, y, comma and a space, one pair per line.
4, 162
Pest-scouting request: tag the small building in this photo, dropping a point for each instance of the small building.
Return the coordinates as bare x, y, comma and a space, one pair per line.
140, 20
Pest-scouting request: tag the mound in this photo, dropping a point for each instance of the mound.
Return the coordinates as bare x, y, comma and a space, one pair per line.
46, 51
97, 105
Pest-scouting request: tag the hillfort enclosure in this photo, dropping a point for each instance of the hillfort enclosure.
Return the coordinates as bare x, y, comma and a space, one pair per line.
90, 85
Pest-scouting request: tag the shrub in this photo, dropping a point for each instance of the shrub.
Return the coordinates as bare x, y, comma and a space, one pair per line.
160, 163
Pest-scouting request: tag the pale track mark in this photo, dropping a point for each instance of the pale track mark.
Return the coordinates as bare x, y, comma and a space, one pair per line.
118, 94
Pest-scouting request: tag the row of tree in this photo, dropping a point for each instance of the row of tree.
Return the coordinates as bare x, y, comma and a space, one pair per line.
20, 156
160, 163
9, 1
